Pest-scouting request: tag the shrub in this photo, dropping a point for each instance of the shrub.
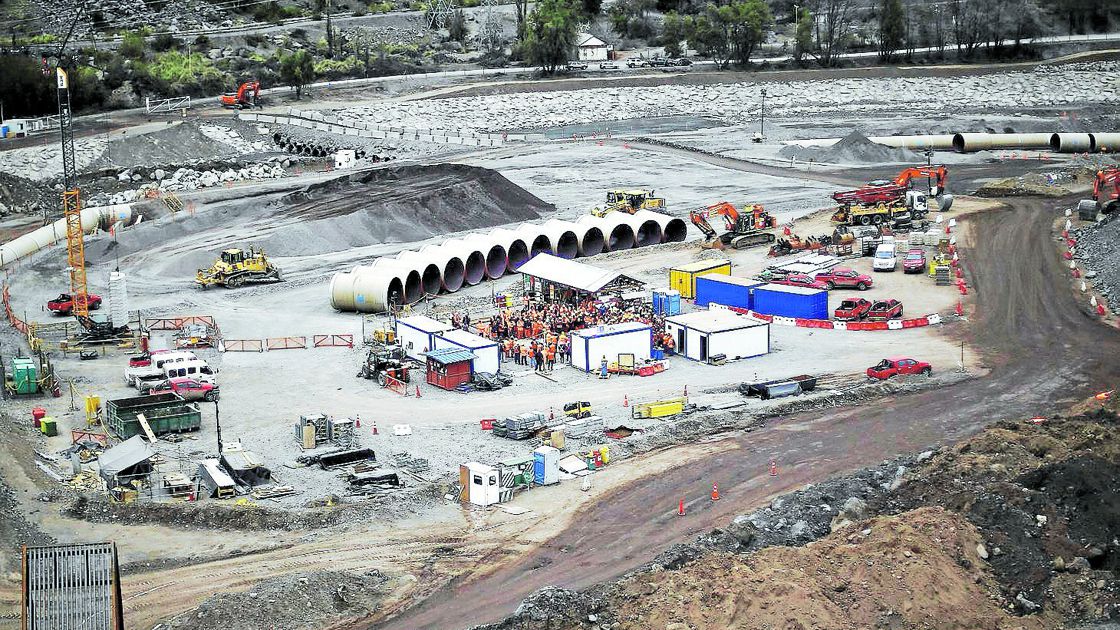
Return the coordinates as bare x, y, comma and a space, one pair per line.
132, 45
165, 42
380, 7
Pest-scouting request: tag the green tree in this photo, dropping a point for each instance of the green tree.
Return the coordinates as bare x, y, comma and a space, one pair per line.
592, 8
674, 31
630, 18
803, 36
457, 26
297, 70
132, 45
892, 28
751, 19
550, 33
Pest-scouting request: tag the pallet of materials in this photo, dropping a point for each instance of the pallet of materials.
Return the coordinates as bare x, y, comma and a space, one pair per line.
524, 426
659, 408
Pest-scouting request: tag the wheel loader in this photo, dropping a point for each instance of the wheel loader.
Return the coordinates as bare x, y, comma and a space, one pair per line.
236, 267
629, 201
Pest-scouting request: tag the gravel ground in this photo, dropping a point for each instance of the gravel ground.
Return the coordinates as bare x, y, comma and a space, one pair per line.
1098, 248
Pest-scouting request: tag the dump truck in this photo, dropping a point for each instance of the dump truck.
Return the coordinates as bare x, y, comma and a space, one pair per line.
236, 267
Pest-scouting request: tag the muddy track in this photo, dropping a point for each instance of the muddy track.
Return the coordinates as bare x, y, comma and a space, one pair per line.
1043, 350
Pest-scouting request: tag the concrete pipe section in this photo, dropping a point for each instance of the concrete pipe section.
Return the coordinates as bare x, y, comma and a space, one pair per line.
672, 229
618, 230
1071, 142
453, 273
380, 275
972, 142
370, 289
591, 242
647, 231
517, 251
96, 218
474, 261
342, 290
1106, 142
493, 252
534, 238
431, 276
564, 237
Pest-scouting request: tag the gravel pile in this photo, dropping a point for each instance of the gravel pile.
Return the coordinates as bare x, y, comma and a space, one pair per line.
1098, 249
854, 148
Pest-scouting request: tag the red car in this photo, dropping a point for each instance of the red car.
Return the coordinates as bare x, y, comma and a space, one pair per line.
852, 310
845, 278
800, 280
915, 261
898, 365
64, 303
884, 310
188, 388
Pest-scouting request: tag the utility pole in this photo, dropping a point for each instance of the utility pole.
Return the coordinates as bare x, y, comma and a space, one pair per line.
762, 127
330, 37
218, 425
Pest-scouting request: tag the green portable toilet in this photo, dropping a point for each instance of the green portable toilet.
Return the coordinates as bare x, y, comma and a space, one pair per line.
24, 376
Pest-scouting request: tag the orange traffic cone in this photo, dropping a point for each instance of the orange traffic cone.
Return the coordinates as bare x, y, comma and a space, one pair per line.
625, 400
357, 421
373, 429
418, 392
715, 491
773, 468
1100, 310
680, 508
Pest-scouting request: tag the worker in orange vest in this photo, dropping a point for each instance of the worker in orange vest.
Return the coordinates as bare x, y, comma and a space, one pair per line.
551, 357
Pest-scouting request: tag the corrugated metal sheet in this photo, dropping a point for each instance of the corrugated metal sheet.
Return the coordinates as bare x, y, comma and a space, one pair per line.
568, 272
67, 587
725, 290
451, 355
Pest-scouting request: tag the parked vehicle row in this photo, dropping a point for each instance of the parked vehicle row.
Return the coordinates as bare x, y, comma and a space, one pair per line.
633, 62
839, 277
146, 370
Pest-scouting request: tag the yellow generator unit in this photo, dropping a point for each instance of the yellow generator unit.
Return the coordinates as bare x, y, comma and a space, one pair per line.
236, 267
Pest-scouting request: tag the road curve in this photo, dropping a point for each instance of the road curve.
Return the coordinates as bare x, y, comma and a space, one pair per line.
1044, 352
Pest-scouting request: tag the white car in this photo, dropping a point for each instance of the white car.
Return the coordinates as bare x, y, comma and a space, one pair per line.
885, 258
577, 65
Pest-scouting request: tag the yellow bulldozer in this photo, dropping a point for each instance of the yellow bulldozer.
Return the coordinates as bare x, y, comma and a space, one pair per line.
236, 267
629, 201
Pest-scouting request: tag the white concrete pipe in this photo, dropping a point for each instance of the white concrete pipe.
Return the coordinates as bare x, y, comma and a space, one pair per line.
1072, 142
972, 142
564, 237
378, 279
618, 230
1106, 142
940, 142
100, 217
342, 290
534, 237
474, 261
431, 274
493, 252
517, 251
647, 229
591, 242
452, 269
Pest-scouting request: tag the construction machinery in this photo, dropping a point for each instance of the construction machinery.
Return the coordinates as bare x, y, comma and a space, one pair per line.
938, 177
745, 229
894, 200
383, 362
236, 267
247, 96
1106, 194
629, 201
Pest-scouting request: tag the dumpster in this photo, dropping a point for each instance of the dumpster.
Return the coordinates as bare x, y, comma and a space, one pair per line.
165, 413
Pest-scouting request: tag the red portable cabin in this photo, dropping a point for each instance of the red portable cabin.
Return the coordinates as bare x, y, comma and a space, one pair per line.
450, 367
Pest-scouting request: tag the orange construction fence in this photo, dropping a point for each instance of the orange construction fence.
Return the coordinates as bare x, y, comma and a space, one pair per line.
285, 343
331, 341
175, 323
243, 345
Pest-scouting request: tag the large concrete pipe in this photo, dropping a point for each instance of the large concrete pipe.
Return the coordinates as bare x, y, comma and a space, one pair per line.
591, 242
342, 290
383, 269
972, 142
454, 271
647, 230
564, 237
618, 231
431, 275
940, 142
1071, 142
474, 261
493, 252
534, 238
1106, 142
517, 251
93, 219
376, 289
673, 229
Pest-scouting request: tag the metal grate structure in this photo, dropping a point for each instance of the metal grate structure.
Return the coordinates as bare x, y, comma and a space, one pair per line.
71, 587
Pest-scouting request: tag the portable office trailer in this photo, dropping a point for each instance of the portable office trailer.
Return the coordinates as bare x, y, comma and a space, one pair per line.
590, 345
725, 290
214, 481
703, 335
450, 367
478, 484
683, 278
487, 353
416, 334
786, 301
546, 465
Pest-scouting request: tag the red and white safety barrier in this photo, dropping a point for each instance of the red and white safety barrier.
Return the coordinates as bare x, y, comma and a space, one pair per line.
828, 324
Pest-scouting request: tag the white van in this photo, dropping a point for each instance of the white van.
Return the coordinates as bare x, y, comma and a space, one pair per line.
156, 370
198, 370
885, 258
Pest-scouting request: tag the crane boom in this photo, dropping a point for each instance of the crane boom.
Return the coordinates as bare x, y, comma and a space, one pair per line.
72, 203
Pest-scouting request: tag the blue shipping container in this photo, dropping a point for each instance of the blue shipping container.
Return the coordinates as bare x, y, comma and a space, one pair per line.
725, 290
778, 299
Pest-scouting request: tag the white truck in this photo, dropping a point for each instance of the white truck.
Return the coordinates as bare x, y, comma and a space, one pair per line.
156, 370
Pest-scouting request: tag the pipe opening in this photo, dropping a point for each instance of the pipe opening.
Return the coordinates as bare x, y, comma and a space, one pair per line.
517, 254
676, 231
413, 287
395, 294
592, 243
430, 280
622, 237
649, 233
540, 244
958, 143
453, 275
567, 246
475, 268
496, 262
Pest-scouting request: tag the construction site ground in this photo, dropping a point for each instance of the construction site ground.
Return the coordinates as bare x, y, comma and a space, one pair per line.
470, 566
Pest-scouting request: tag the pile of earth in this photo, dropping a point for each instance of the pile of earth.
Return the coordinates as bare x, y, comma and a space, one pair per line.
177, 143
1098, 249
1029, 185
854, 148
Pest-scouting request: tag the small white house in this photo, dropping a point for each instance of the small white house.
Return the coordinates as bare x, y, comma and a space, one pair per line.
488, 354
417, 333
590, 345
15, 127
705, 334
590, 48
345, 158
479, 484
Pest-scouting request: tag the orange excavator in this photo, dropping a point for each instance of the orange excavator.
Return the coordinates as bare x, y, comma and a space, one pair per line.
246, 96
1106, 190
939, 174
745, 229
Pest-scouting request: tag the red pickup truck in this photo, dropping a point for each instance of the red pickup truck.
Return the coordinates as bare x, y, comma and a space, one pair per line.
845, 278
64, 303
800, 280
894, 366
884, 310
852, 310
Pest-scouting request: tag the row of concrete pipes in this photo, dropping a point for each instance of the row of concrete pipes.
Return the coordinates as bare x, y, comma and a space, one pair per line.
467, 261
972, 142
93, 219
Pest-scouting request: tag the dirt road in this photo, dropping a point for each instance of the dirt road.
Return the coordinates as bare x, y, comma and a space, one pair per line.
1043, 351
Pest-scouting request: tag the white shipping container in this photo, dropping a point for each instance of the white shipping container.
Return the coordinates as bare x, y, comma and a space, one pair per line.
590, 345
